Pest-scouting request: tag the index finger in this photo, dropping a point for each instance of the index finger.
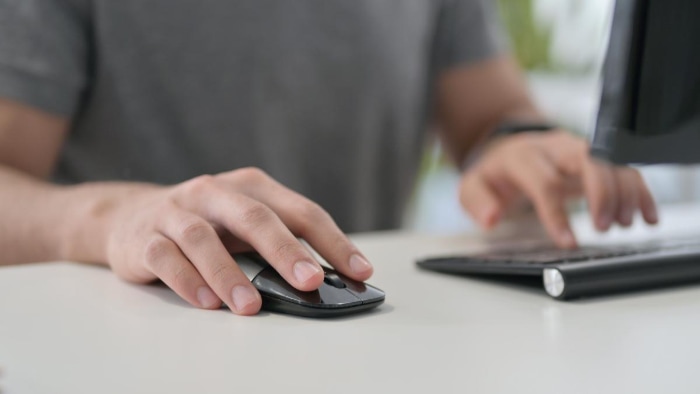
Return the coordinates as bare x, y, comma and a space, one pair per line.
541, 181
256, 224
311, 222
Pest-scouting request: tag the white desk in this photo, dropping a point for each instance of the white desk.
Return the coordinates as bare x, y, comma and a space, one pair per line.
67, 328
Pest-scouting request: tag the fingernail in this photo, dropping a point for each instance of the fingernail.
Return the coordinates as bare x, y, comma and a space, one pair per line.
359, 265
605, 221
653, 216
206, 297
303, 271
567, 239
488, 216
242, 297
626, 217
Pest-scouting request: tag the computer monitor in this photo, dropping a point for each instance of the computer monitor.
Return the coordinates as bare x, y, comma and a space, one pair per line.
650, 104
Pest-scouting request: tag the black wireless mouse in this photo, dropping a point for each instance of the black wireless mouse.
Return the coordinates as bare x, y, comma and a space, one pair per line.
337, 296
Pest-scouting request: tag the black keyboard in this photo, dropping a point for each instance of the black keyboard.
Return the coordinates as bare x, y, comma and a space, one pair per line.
585, 271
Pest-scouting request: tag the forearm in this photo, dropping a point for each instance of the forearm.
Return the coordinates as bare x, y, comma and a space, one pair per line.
463, 140
473, 101
518, 114
46, 222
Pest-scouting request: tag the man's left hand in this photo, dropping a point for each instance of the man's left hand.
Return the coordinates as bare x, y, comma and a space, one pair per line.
547, 169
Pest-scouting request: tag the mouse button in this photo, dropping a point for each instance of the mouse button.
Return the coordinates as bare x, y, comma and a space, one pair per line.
333, 297
270, 283
334, 280
353, 285
251, 264
365, 292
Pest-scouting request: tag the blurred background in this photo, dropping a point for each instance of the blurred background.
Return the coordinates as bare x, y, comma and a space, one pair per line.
561, 46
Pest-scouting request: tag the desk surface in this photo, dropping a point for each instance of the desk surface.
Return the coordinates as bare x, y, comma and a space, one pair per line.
68, 328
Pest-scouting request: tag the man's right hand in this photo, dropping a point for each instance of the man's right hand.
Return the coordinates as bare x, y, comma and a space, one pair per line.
185, 235
182, 234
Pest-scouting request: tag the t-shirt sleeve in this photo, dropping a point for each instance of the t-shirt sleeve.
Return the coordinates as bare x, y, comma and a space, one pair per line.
43, 53
468, 31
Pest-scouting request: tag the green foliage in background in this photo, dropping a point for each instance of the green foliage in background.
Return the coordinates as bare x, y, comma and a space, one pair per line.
531, 42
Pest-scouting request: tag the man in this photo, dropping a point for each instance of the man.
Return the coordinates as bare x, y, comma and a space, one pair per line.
112, 99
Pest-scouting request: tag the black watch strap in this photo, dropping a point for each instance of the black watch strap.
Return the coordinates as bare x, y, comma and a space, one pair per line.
508, 128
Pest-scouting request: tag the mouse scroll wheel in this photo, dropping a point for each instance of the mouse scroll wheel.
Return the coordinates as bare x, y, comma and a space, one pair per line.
334, 280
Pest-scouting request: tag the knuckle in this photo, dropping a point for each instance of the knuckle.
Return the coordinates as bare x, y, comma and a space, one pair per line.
251, 174
200, 185
194, 230
550, 182
165, 208
343, 245
222, 273
156, 249
255, 214
287, 248
311, 213
181, 278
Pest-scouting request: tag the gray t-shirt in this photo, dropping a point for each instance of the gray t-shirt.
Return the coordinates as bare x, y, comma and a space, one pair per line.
330, 97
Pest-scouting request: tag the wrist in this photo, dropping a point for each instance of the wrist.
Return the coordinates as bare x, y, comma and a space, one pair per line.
504, 129
92, 211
